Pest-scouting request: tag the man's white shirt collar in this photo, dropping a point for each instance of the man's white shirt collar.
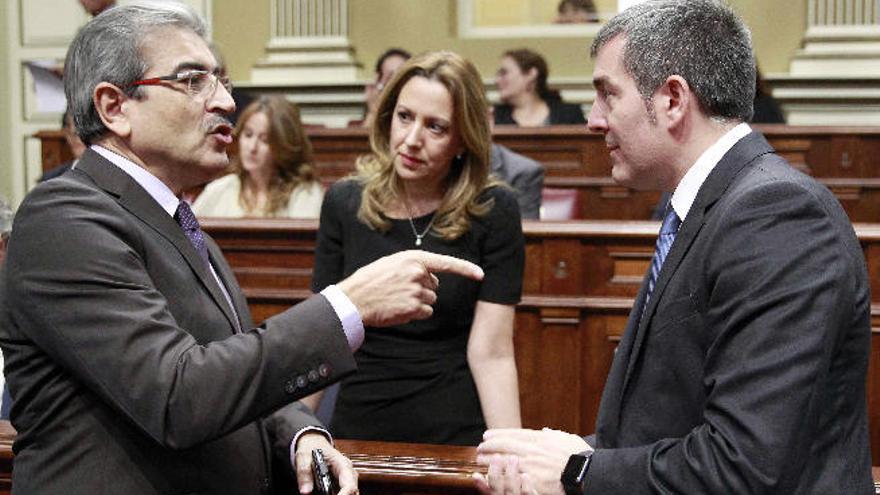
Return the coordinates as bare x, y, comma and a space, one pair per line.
154, 187
686, 192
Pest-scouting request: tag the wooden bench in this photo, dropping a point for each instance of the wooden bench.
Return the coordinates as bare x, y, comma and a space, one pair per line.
576, 159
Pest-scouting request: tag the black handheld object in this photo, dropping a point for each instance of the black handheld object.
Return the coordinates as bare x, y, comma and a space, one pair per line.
323, 480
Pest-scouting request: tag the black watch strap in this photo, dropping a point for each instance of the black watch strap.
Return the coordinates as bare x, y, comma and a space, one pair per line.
575, 473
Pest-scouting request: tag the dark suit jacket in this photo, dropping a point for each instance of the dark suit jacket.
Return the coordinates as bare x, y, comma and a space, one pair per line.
747, 372
522, 173
121, 353
561, 113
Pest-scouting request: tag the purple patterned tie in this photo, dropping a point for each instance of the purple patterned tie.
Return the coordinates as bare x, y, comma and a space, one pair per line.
190, 226
664, 242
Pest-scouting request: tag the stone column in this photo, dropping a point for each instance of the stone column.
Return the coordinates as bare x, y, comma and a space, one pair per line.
842, 39
309, 44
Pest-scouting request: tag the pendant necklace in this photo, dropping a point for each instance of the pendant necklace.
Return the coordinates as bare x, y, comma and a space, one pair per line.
424, 232
412, 225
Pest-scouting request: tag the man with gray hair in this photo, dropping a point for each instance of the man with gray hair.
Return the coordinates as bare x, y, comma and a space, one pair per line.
130, 352
742, 367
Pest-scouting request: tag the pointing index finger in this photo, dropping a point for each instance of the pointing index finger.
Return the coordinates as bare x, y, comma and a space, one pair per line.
449, 264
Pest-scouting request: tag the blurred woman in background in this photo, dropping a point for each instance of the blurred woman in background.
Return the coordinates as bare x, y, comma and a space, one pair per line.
272, 173
526, 100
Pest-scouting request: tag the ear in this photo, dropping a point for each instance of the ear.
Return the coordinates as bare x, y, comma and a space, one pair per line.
532, 74
110, 103
675, 100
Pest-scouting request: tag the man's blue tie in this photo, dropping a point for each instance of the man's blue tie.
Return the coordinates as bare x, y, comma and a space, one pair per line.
664, 242
190, 226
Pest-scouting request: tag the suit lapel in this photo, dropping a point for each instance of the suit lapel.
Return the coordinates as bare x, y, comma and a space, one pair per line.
608, 419
227, 277
131, 196
741, 154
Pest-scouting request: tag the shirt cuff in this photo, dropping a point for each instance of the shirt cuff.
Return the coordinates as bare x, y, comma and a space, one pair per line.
348, 314
300, 433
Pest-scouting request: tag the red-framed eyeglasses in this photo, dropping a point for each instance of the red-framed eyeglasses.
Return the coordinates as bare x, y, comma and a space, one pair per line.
198, 82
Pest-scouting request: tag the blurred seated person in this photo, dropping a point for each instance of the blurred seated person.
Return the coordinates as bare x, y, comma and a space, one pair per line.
576, 12
526, 100
767, 110
73, 142
386, 66
426, 185
524, 175
272, 172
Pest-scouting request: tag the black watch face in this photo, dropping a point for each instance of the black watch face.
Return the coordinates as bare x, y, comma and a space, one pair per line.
573, 474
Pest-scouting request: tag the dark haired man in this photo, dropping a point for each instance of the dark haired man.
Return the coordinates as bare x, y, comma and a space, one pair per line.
386, 65
130, 352
742, 368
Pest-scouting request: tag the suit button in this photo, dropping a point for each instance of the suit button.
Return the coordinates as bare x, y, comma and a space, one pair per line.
289, 387
301, 381
264, 485
324, 370
313, 376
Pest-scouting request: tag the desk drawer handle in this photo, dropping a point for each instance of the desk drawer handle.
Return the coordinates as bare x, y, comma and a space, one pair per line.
561, 270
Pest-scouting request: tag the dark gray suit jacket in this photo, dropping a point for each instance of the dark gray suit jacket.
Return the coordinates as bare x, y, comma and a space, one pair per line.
522, 173
747, 372
121, 353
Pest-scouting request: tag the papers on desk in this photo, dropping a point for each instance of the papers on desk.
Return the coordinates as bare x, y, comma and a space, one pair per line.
48, 86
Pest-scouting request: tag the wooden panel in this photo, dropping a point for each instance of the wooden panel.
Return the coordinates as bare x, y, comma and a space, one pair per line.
54, 149
581, 279
7, 436
841, 157
386, 468
541, 333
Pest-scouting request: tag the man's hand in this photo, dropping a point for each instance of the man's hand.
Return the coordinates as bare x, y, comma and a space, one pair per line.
401, 287
504, 478
542, 457
339, 465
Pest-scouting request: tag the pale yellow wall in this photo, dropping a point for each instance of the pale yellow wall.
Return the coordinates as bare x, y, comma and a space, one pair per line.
6, 162
433, 26
777, 30
242, 28
511, 12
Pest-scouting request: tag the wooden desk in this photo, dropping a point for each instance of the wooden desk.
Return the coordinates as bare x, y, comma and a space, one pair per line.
580, 281
386, 468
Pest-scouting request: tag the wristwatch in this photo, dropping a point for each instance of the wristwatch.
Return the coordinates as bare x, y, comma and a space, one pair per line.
575, 473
